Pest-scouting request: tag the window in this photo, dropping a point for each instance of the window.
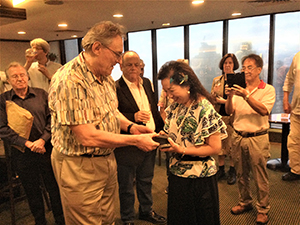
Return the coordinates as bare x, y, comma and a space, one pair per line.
287, 44
170, 46
140, 42
250, 35
206, 51
71, 47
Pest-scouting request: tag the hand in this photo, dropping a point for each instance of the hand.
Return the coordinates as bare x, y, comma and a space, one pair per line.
240, 91
44, 70
174, 147
146, 143
38, 146
140, 129
220, 100
142, 116
287, 107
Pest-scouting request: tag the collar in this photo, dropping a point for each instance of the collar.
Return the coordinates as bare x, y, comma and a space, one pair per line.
30, 92
88, 74
262, 85
129, 83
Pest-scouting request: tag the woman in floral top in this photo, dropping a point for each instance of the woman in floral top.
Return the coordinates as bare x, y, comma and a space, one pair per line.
195, 131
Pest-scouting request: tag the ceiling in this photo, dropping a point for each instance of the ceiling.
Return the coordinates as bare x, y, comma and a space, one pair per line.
80, 15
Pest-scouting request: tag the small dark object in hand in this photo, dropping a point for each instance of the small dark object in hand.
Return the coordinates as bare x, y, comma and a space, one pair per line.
163, 141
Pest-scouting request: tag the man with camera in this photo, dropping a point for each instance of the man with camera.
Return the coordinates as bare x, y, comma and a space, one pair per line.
251, 107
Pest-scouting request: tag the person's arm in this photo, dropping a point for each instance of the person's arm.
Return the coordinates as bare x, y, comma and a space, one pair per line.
228, 104
212, 146
286, 105
257, 106
89, 136
43, 69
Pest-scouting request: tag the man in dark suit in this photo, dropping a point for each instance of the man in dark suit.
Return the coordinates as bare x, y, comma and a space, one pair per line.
138, 104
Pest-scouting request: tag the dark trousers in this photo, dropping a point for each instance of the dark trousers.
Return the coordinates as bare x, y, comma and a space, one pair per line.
144, 174
193, 201
30, 167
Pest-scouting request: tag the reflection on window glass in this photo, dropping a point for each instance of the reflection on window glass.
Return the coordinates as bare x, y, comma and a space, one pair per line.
71, 47
140, 42
206, 51
170, 46
287, 44
250, 35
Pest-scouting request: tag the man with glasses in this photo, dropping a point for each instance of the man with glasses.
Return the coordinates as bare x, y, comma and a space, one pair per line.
138, 103
250, 141
292, 80
86, 125
39, 67
33, 160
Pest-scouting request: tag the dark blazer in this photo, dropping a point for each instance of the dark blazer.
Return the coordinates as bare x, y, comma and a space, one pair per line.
131, 155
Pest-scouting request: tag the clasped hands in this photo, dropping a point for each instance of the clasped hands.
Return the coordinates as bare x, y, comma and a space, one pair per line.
37, 146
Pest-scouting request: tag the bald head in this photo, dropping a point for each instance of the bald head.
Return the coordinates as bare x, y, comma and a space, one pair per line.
130, 66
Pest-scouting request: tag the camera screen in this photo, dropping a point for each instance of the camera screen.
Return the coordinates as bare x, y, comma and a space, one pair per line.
238, 78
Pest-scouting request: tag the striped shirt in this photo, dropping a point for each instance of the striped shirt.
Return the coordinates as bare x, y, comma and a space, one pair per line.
76, 97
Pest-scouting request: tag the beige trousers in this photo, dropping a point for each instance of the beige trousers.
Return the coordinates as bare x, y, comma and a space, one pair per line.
88, 188
251, 154
294, 144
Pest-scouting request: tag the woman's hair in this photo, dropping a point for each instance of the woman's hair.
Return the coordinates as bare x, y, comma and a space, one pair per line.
41, 43
103, 32
258, 60
234, 59
182, 74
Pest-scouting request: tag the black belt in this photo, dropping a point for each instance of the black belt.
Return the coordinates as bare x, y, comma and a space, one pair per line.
92, 155
190, 158
245, 134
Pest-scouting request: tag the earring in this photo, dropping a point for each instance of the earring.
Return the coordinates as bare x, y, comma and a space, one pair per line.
188, 92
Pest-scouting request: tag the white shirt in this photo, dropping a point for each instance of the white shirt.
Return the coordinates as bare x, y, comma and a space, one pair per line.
37, 78
292, 79
141, 99
247, 119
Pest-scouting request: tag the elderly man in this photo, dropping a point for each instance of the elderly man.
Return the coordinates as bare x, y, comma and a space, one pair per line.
35, 161
293, 80
250, 141
86, 125
138, 104
42, 70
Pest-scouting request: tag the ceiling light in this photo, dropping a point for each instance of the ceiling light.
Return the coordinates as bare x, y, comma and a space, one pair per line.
16, 2
118, 15
74, 36
21, 32
166, 24
236, 14
62, 25
197, 2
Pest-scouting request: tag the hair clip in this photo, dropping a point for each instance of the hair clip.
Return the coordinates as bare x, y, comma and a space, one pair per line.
185, 78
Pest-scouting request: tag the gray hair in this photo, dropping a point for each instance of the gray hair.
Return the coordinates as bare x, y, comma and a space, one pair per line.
13, 64
103, 32
41, 43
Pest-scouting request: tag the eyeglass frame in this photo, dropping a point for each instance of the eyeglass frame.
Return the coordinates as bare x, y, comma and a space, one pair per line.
117, 54
250, 70
18, 76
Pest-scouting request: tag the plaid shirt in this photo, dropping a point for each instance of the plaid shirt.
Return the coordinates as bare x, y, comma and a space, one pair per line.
76, 97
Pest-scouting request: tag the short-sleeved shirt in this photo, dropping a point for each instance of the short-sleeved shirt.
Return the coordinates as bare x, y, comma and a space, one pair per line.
190, 126
37, 78
77, 97
248, 120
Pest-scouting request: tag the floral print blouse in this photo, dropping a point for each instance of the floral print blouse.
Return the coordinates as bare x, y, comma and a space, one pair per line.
189, 126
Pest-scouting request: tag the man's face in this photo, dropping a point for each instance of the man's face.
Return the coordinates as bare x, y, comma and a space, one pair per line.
131, 66
110, 56
39, 52
251, 70
17, 78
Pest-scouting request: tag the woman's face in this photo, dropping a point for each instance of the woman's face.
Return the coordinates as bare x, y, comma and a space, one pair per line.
228, 65
176, 92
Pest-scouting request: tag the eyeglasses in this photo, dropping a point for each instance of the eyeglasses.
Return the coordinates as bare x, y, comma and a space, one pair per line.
17, 76
117, 54
249, 68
